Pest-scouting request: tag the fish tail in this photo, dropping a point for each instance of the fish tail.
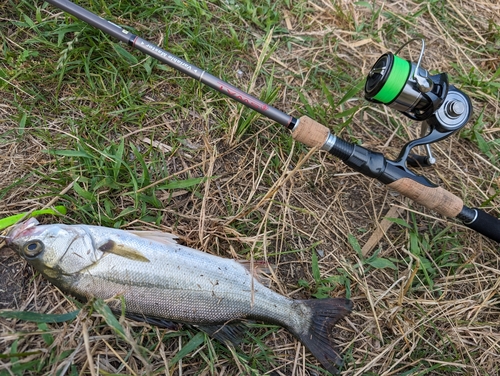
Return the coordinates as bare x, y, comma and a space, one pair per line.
318, 338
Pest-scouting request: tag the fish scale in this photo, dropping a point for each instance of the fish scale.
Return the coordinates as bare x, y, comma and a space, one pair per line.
201, 285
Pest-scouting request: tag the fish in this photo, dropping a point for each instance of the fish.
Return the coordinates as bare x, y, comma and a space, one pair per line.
164, 282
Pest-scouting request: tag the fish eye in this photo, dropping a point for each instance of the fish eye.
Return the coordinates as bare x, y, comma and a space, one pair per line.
33, 248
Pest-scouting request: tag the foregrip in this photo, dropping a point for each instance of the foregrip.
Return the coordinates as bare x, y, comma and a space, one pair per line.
310, 133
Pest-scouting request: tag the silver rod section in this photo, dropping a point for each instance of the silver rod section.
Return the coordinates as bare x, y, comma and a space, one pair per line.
175, 62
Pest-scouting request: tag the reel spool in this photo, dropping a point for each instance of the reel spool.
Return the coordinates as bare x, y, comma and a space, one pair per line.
413, 91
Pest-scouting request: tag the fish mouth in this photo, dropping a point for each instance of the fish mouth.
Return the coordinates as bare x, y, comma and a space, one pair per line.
22, 229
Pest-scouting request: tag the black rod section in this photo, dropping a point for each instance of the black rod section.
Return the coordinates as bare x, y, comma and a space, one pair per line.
175, 62
481, 221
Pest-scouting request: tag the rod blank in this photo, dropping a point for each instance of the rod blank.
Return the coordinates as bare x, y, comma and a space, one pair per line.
175, 62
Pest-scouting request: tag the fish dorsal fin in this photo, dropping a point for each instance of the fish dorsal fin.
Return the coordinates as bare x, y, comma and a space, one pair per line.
122, 250
262, 271
157, 236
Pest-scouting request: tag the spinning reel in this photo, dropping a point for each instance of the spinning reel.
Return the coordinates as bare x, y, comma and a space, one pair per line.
411, 90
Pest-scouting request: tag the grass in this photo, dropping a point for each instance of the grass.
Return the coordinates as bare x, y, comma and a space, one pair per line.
124, 141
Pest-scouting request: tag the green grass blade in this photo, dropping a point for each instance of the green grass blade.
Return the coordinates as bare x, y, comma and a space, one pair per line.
39, 317
191, 346
109, 317
13, 219
180, 184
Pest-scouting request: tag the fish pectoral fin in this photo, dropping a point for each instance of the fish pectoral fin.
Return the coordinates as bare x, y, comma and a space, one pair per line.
122, 250
229, 333
157, 236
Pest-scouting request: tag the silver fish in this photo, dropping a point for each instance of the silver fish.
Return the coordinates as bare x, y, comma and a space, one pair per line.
161, 280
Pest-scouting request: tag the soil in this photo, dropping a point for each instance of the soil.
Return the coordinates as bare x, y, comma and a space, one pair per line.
11, 279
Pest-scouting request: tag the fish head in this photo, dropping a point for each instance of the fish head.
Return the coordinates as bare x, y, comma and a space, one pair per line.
55, 250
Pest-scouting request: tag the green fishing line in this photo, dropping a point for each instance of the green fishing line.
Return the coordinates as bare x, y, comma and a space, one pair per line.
395, 82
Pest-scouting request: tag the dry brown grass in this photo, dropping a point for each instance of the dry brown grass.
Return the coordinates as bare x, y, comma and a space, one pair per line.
266, 201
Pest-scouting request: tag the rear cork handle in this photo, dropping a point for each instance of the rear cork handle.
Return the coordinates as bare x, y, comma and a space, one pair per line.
437, 198
310, 132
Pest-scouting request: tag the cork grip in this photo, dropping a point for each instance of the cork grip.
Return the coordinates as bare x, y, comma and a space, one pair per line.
310, 132
438, 199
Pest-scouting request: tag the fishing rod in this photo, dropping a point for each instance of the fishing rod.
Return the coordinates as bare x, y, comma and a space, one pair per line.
394, 82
